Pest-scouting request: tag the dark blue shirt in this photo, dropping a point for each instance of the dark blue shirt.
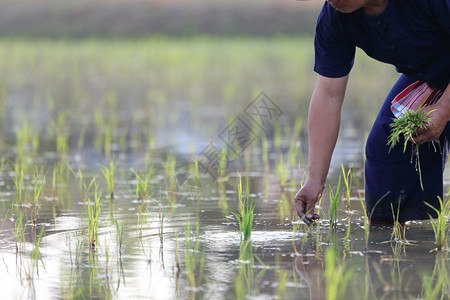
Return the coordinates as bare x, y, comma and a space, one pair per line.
412, 35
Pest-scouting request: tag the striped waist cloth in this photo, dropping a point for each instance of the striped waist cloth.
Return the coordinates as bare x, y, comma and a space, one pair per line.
413, 97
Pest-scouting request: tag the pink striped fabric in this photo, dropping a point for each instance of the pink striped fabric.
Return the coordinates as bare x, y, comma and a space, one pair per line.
413, 97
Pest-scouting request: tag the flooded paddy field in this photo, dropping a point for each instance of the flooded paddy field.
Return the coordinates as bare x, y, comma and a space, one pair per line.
129, 169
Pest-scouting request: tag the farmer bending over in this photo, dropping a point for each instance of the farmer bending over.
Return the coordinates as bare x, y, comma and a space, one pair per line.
414, 36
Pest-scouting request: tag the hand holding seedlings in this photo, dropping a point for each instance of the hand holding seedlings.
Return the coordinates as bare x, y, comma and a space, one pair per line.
438, 117
305, 201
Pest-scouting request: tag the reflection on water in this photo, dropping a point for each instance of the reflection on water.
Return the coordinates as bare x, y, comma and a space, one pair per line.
181, 242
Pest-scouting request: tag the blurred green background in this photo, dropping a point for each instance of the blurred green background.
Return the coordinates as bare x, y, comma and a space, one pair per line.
142, 71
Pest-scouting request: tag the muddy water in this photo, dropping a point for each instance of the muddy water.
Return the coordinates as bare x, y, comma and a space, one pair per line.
182, 241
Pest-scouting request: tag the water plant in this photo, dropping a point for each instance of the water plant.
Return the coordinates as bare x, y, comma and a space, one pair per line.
107, 140
162, 216
294, 145
347, 176
177, 253
223, 161
246, 209
36, 193
62, 133
170, 168
26, 138
441, 225
37, 189
54, 179
366, 222
108, 174
282, 172
142, 183
334, 203
119, 236
18, 181
93, 216
19, 231
36, 253
398, 229
405, 127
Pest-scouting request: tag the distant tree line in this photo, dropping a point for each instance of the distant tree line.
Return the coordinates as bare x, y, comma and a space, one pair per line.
65, 18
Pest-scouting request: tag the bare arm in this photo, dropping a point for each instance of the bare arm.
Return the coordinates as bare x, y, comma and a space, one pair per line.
323, 127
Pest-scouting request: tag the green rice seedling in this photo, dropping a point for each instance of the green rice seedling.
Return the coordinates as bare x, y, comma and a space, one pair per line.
196, 172
246, 211
277, 137
194, 258
295, 227
223, 161
347, 176
55, 174
162, 216
170, 168
282, 172
37, 189
177, 253
36, 193
18, 181
398, 230
142, 216
36, 253
437, 285
150, 148
142, 184
294, 146
62, 133
223, 200
107, 140
119, 236
108, 174
83, 188
19, 231
337, 276
347, 239
93, 216
441, 225
366, 222
334, 203
405, 127
26, 138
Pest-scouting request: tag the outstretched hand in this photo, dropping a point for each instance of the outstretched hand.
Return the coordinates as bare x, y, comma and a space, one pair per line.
305, 201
